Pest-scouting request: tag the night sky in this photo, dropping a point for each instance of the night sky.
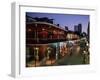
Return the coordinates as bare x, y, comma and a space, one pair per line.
65, 19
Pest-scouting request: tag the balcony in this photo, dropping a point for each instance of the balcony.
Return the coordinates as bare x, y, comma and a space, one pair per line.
43, 41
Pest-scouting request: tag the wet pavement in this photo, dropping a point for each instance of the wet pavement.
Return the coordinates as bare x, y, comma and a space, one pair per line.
75, 57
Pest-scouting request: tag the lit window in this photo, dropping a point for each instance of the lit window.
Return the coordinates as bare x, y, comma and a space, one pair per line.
43, 29
29, 30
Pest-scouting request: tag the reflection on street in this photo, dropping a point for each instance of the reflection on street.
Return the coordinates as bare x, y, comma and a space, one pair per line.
60, 53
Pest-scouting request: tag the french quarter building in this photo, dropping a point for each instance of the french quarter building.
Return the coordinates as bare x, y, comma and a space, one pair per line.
46, 40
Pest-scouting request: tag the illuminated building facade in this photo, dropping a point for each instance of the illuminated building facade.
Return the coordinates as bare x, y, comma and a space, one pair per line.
46, 43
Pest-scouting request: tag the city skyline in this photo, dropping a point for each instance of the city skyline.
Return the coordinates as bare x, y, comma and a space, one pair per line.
69, 20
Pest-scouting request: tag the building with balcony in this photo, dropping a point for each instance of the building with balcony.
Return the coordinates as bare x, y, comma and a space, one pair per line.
46, 41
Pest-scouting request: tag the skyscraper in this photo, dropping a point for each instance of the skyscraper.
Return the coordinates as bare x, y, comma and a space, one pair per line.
88, 31
66, 28
78, 28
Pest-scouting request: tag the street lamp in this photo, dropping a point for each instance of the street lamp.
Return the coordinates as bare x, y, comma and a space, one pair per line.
36, 49
84, 56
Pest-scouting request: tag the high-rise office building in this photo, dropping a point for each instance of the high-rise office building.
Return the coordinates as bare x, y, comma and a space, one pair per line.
88, 31
78, 28
66, 28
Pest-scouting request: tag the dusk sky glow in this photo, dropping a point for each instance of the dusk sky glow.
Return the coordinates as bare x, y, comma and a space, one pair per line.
69, 20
